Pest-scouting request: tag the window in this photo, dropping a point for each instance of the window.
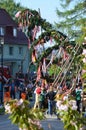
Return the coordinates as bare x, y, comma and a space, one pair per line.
10, 50
14, 32
9, 30
20, 50
2, 31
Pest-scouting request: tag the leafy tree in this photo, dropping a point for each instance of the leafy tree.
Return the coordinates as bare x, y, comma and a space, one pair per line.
11, 7
72, 16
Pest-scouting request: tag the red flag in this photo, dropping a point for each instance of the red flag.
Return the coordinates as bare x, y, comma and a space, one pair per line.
33, 56
51, 40
17, 14
34, 32
65, 55
39, 73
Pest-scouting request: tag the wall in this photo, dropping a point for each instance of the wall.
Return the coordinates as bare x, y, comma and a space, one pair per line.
14, 61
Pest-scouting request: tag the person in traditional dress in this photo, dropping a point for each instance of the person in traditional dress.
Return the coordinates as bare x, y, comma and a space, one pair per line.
37, 96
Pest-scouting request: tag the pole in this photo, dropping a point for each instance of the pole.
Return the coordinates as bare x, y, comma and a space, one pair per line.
2, 71
1, 42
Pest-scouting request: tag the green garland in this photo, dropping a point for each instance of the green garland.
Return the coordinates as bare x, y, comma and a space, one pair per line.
47, 35
28, 19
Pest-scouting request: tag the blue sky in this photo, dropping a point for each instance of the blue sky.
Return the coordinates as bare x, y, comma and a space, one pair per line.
47, 8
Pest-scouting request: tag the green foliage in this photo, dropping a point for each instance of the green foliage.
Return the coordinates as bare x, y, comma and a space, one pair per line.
54, 70
67, 112
84, 76
84, 89
31, 18
22, 115
73, 19
2, 110
11, 7
72, 22
84, 66
47, 52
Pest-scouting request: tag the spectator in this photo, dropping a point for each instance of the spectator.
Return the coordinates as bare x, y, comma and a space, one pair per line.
21, 89
30, 89
50, 96
13, 89
37, 96
6, 92
42, 98
78, 97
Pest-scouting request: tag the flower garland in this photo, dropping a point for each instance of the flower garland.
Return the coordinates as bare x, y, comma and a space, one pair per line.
67, 112
22, 115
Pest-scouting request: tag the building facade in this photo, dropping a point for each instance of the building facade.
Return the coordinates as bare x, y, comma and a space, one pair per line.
15, 47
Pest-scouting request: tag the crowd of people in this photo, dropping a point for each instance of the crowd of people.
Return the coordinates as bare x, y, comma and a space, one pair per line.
44, 93
17, 89
41, 92
45, 98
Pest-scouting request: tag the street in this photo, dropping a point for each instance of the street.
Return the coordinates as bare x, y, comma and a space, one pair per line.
48, 124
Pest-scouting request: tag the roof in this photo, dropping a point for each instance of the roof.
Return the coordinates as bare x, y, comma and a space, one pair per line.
5, 19
20, 39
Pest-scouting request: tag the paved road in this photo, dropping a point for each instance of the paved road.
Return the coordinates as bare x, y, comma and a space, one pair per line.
52, 124
48, 124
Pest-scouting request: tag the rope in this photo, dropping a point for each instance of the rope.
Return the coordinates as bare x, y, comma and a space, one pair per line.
73, 85
69, 65
60, 73
52, 61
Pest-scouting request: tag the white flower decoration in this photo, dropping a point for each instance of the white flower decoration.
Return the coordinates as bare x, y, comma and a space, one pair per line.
8, 109
63, 107
20, 102
58, 104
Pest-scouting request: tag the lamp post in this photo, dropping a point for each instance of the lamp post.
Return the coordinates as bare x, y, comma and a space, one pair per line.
1, 43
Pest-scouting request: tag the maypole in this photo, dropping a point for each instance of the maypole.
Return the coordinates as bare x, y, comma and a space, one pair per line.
31, 23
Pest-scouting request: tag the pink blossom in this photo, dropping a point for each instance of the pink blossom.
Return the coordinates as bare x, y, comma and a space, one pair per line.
20, 102
63, 107
58, 104
17, 14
